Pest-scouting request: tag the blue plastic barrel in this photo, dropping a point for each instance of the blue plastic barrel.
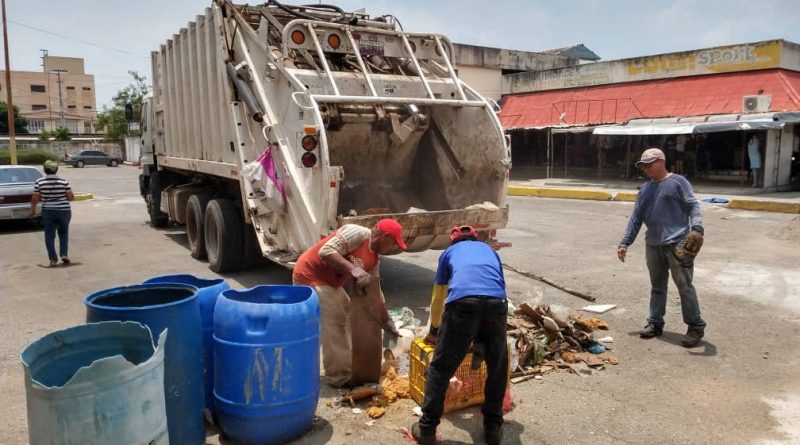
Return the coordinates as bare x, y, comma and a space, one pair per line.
208, 289
160, 307
266, 358
99, 383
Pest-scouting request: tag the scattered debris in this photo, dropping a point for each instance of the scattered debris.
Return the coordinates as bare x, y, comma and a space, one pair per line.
417, 411
599, 308
546, 341
370, 423
361, 393
588, 324
357, 411
549, 282
376, 412
606, 340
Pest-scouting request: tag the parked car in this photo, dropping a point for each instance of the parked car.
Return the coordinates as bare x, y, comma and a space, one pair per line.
16, 191
91, 157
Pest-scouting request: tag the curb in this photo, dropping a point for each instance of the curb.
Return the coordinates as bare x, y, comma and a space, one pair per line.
83, 196
764, 206
540, 192
626, 196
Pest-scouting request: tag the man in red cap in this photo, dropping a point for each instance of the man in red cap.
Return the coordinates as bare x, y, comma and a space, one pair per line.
348, 257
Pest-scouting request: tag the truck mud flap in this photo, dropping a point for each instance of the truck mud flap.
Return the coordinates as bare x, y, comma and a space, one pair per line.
431, 230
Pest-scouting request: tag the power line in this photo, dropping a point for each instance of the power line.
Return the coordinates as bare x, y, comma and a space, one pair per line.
85, 42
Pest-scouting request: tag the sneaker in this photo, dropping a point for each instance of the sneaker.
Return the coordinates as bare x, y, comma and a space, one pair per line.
493, 435
423, 438
692, 337
53, 263
65, 260
651, 331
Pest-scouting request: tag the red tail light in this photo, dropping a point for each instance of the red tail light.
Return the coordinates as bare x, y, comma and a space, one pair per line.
309, 143
309, 159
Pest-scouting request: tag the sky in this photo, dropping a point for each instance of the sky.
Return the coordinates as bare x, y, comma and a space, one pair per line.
115, 36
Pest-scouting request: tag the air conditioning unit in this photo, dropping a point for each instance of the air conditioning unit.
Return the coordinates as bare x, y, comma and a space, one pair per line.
756, 104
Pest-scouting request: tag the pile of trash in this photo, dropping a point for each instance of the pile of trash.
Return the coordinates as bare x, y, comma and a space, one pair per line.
544, 341
393, 387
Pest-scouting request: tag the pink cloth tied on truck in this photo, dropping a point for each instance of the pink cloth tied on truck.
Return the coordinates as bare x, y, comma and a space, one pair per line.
273, 186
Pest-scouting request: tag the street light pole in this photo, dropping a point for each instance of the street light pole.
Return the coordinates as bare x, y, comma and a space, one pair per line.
12, 142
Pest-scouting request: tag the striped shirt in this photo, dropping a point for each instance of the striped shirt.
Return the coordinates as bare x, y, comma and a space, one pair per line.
54, 192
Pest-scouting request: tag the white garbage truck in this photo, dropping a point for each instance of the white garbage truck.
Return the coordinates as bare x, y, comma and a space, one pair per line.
270, 126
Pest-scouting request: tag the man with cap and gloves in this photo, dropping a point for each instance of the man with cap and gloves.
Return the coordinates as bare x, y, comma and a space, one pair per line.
468, 308
347, 258
669, 209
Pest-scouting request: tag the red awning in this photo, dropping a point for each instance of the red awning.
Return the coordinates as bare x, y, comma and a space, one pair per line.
618, 103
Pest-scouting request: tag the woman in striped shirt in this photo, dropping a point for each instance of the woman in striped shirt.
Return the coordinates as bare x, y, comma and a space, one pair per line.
55, 194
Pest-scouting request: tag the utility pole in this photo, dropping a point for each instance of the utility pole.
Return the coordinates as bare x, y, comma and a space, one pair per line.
60, 99
12, 141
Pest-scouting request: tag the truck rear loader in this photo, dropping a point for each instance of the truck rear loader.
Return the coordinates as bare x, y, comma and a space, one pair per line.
270, 126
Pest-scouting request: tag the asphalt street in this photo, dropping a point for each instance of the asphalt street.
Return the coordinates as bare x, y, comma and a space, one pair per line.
740, 386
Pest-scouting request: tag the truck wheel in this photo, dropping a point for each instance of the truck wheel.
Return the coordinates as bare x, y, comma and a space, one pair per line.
195, 224
153, 199
223, 236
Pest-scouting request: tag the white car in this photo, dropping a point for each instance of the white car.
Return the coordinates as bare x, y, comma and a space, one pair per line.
16, 191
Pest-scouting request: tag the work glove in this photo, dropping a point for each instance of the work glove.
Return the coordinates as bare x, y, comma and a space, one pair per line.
361, 277
694, 241
430, 339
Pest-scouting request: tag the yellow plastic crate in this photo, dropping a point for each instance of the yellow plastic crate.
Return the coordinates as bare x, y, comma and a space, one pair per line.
470, 394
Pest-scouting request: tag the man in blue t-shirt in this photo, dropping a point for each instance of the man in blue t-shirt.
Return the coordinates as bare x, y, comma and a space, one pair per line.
471, 290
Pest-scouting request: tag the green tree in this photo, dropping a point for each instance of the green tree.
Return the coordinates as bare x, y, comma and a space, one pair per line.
112, 120
20, 123
61, 134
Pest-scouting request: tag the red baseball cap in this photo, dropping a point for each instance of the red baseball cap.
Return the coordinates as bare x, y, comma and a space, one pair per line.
393, 228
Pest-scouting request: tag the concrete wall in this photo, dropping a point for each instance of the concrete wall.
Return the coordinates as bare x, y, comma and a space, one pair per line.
482, 56
59, 148
783, 162
733, 58
487, 81
72, 65
78, 100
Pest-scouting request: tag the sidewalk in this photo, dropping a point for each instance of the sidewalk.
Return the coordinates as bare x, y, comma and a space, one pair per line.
739, 198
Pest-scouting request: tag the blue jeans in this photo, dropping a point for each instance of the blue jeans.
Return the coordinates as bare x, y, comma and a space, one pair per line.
660, 262
56, 221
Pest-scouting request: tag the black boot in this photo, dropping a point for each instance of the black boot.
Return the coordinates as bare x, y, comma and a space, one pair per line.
423, 436
692, 337
651, 331
493, 435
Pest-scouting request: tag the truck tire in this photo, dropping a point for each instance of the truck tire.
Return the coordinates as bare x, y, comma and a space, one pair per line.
195, 224
223, 236
153, 199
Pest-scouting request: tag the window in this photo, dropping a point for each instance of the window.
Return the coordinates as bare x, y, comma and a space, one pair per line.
87, 127
37, 89
35, 126
35, 107
86, 89
70, 88
95, 153
71, 107
19, 175
87, 107
72, 126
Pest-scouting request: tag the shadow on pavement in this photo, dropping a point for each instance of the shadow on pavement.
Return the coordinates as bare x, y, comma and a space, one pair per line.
512, 431
674, 338
16, 226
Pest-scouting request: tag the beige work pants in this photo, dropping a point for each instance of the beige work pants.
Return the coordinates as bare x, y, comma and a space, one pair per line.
335, 336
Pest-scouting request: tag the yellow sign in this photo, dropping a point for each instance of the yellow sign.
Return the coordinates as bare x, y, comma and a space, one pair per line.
722, 59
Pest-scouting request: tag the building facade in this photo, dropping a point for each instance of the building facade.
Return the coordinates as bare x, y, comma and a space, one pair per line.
702, 107
62, 95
